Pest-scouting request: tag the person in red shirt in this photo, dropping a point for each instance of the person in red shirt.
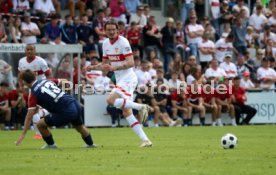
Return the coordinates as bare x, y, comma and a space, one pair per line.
238, 99
122, 28
18, 99
223, 101
195, 101
209, 102
180, 106
6, 6
5, 111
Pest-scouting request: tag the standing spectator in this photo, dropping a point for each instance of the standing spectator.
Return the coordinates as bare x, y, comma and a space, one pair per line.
265, 35
239, 32
20, 6
98, 30
180, 40
6, 73
131, 5
229, 67
168, 42
134, 37
139, 18
226, 15
52, 30
5, 111
206, 50
29, 30
239, 98
224, 46
15, 31
85, 35
215, 12
194, 33
187, 6
44, 7
237, 8
118, 10
69, 31
266, 75
257, 19
6, 6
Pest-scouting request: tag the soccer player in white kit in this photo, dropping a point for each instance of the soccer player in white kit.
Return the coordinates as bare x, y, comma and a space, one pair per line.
40, 67
117, 52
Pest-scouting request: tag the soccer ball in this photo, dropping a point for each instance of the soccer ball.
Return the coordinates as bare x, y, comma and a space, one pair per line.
229, 141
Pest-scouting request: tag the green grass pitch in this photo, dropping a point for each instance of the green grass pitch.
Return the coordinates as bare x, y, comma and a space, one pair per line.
184, 151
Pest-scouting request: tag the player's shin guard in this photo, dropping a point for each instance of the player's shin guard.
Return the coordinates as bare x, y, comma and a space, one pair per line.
136, 127
49, 140
88, 140
36, 118
124, 103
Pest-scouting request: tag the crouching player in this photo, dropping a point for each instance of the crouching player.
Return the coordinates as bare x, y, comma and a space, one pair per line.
64, 109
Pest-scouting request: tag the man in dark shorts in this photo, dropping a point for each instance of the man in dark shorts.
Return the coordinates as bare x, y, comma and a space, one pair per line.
63, 109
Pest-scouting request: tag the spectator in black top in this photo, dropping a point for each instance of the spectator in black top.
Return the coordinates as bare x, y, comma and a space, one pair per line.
152, 36
98, 28
168, 42
85, 35
225, 15
68, 31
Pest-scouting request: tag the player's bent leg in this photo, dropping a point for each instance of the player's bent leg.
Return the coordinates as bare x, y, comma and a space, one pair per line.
86, 136
136, 127
46, 134
36, 118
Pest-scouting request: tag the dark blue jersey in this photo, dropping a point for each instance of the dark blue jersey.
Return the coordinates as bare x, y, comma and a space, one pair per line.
46, 94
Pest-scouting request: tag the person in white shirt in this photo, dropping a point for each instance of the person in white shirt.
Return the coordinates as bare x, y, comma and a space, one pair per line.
265, 35
257, 19
206, 50
44, 7
29, 30
229, 67
21, 5
224, 46
174, 82
102, 83
214, 72
266, 75
143, 74
240, 5
194, 33
272, 19
246, 83
139, 18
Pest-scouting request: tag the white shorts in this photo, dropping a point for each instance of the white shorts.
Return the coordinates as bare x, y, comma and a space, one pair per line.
126, 87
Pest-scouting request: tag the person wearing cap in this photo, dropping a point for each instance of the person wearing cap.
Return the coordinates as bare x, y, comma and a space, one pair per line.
266, 75
229, 67
29, 30
168, 32
139, 18
238, 99
206, 50
246, 83
257, 19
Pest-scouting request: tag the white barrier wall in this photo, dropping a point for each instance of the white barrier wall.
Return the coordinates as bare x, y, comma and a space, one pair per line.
95, 110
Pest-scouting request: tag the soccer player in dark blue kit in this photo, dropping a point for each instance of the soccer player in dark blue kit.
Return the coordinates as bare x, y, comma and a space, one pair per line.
62, 107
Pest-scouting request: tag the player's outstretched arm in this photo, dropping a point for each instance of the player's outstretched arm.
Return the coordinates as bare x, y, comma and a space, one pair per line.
27, 123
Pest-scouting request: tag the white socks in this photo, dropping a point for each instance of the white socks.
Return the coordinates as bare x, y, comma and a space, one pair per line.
136, 127
36, 118
124, 103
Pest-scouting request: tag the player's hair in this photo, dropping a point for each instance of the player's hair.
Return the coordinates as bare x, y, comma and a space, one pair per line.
28, 76
111, 22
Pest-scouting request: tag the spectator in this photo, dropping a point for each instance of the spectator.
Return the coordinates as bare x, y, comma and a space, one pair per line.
176, 66
160, 76
15, 31
52, 30
137, 63
206, 50
174, 82
6, 6
215, 12
139, 18
3, 35
194, 75
93, 74
134, 37
18, 99
68, 31
259, 56
21, 6
122, 28
226, 15
272, 19
44, 7
6, 73
89, 13
246, 83
118, 10
257, 19
52, 60
29, 30
239, 32
229, 67
85, 35
192, 61
186, 70
194, 33
214, 72
241, 66
143, 74
131, 6
64, 70
265, 35
239, 98
5, 111
102, 82
209, 29
251, 37
180, 40
187, 6
98, 27
168, 42
266, 75
224, 46
240, 5
244, 18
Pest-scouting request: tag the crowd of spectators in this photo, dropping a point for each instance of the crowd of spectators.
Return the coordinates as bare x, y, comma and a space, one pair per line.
234, 41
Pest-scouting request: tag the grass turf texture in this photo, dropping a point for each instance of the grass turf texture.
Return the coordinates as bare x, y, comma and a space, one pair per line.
193, 150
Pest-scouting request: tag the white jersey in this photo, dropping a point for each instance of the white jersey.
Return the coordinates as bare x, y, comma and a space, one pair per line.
230, 69
218, 73
263, 74
38, 65
116, 53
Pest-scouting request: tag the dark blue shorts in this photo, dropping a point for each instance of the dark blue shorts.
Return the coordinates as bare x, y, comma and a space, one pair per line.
70, 114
